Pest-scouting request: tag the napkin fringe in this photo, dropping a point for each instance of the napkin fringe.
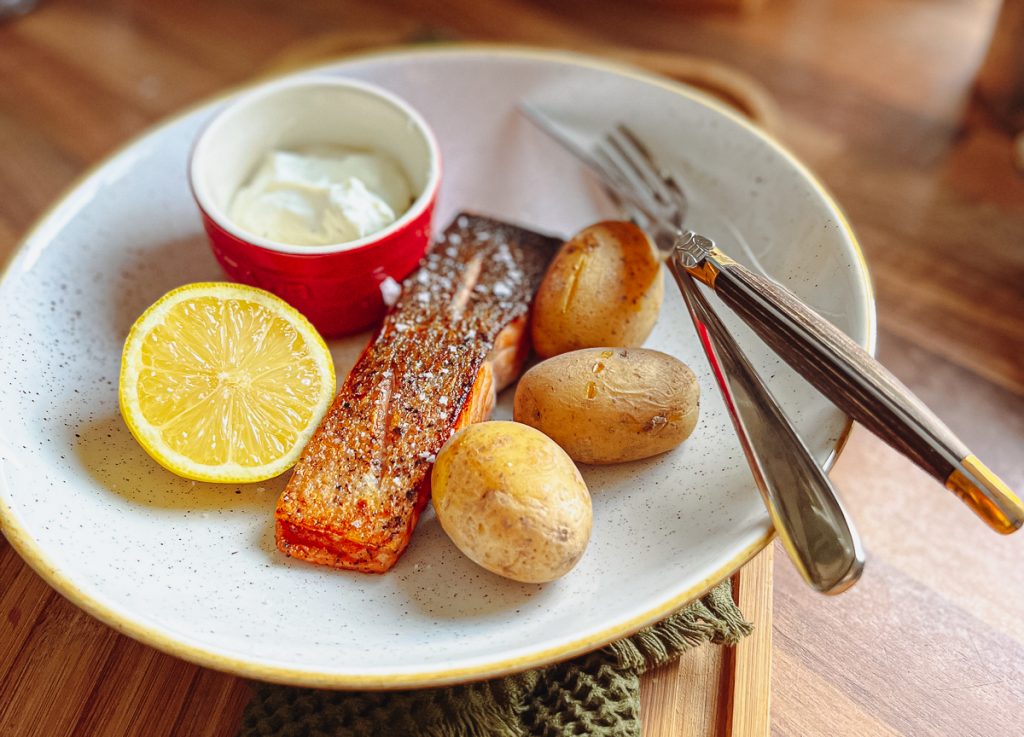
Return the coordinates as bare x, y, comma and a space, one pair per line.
715, 618
597, 694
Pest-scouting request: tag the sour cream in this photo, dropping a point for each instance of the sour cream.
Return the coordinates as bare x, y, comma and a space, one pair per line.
320, 196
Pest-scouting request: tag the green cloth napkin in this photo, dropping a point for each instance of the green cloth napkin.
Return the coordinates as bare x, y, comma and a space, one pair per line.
596, 694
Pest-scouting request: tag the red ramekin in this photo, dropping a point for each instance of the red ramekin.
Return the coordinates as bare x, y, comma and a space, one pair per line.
338, 286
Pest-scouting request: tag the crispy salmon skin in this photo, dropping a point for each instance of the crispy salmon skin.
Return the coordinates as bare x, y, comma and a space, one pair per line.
457, 334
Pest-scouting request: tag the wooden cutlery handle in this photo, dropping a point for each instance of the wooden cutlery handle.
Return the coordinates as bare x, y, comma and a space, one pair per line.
859, 385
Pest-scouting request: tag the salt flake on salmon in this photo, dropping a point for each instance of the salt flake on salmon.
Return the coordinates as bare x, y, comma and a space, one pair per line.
456, 336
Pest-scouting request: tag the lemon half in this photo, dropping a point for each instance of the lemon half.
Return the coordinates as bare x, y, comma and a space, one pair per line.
224, 382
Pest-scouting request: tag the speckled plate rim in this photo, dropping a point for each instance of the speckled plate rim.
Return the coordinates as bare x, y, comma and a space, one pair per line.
37, 558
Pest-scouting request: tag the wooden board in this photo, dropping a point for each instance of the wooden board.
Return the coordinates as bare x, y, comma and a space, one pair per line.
717, 691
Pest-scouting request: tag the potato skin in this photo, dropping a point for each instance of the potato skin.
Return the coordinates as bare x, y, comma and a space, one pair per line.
512, 501
609, 405
604, 287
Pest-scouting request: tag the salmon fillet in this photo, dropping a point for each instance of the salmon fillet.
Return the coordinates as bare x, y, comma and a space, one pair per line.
456, 336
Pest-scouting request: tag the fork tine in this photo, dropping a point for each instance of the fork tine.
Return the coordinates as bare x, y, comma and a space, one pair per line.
619, 186
611, 171
646, 214
641, 194
669, 192
679, 195
644, 161
639, 145
617, 159
626, 160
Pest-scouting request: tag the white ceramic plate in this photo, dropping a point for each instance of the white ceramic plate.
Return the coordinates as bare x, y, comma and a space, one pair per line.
191, 568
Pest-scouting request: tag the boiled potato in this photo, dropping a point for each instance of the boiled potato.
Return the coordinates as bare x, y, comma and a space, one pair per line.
608, 405
604, 287
512, 500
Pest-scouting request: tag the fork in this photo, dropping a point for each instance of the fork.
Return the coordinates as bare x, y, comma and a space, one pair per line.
803, 505
833, 363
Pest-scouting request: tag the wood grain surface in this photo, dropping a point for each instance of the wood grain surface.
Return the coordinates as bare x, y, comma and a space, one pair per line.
875, 96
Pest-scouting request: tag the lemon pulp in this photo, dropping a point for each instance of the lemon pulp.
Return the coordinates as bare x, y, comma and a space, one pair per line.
222, 382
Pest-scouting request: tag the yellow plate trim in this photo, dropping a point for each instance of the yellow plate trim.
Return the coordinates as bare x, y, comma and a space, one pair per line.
29, 550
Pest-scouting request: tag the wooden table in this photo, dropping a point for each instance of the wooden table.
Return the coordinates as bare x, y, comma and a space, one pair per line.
875, 96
